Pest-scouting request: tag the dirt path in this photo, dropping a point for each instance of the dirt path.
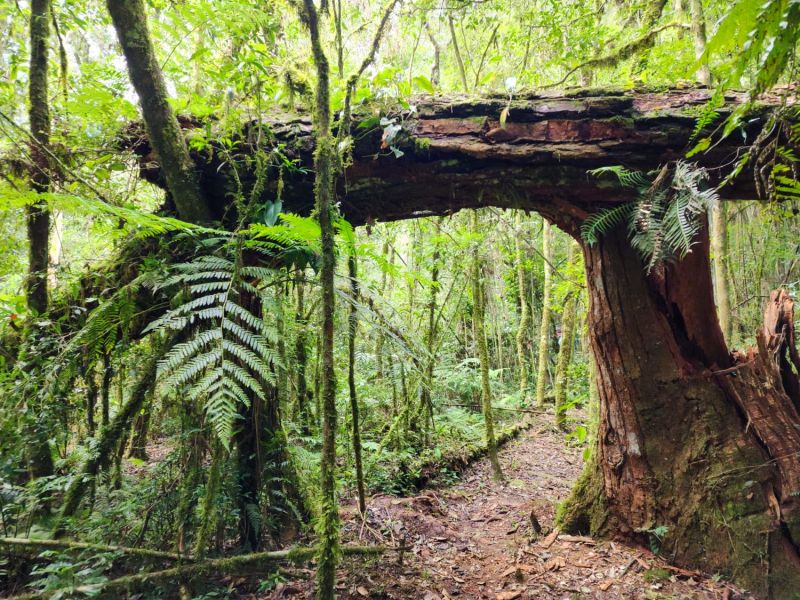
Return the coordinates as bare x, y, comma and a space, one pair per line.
475, 540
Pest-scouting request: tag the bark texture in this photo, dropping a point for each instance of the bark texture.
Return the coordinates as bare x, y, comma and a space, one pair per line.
689, 437
457, 156
524, 312
543, 357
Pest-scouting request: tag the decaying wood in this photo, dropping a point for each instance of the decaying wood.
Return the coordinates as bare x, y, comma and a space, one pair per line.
456, 154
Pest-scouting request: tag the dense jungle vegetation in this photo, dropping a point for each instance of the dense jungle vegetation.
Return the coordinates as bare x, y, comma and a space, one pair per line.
273, 271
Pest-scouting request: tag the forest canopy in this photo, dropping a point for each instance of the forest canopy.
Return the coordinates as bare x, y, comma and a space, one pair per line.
318, 298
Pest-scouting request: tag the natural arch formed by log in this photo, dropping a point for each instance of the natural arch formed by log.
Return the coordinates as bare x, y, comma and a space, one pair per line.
691, 437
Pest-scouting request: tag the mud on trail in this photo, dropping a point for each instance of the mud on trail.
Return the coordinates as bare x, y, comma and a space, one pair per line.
476, 540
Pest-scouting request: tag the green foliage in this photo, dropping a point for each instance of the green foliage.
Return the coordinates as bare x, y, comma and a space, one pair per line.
228, 358
665, 220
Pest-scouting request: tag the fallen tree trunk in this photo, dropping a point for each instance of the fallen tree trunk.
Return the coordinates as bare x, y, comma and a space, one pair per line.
38, 545
217, 566
456, 155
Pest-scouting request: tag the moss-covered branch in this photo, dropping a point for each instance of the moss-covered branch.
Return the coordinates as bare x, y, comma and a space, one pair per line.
217, 566
627, 51
32, 544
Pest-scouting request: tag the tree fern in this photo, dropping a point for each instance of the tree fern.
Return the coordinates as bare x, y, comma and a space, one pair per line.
664, 222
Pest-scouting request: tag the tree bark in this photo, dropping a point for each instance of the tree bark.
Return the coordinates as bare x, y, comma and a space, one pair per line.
544, 329
689, 437
324, 181
719, 251
426, 385
699, 37
478, 316
163, 129
524, 312
38, 214
351, 380
568, 319
141, 428
302, 399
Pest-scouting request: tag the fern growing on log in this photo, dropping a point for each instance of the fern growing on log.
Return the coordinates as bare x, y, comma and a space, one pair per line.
669, 213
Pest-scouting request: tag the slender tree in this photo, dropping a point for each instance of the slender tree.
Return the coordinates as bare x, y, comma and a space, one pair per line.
324, 167
524, 312
544, 329
352, 264
719, 252
478, 317
699, 37
426, 403
38, 213
162, 126
301, 356
568, 320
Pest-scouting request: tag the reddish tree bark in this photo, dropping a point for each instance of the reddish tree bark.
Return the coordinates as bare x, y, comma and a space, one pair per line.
690, 437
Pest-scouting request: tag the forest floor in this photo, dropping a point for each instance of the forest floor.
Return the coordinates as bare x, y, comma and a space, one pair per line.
475, 540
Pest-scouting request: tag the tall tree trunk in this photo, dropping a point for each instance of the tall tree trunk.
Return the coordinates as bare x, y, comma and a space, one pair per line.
568, 322
105, 390
689, 437
324, 165
544, 329
163, 129
38, 214
478, 316
301, 357
38, 451
426, 385
141, 429
699, 37
565, 358
524, 313
719, 252
352, 265
388, 253
90, 376
461, 70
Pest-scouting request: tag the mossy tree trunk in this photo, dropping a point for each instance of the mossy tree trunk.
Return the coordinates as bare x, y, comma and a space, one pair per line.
130, 22
478, 318
302, 400
568, 321
426, 385
38, 452
689, 437
38, 213
324, 180
141, 429
524, 312
544, 329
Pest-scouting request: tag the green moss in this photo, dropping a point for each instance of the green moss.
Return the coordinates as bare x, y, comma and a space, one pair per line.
656, 574
585, 510
421, 144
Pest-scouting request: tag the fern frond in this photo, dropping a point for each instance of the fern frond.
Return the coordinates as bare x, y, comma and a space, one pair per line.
604, 221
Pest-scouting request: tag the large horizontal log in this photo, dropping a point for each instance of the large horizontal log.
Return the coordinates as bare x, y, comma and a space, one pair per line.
456, 154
